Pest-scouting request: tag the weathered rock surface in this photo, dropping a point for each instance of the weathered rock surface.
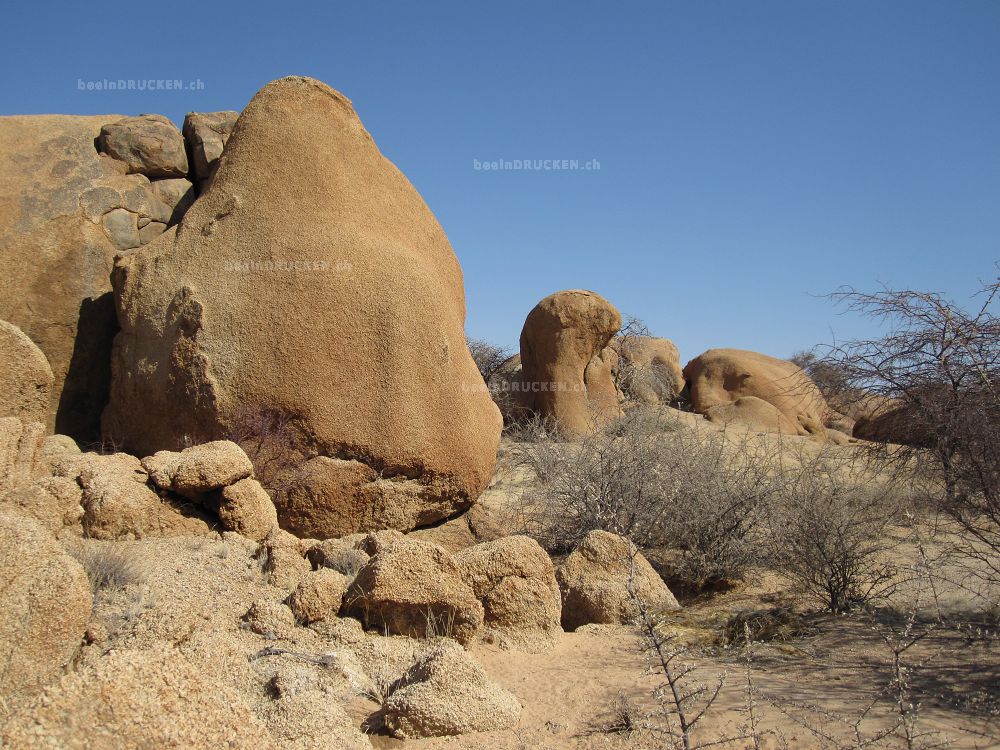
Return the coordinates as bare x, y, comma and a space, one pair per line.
309, 249
246, 508
206, 134
722, 376
65, 211
21, 446
566, 363
447, 693
318, 596
25, 376
148, 144
139, 699
755, 412
54, 502
514, 579
651, 369
596, 578
46, 601
118, 502
416, 589
283, 559
196, 471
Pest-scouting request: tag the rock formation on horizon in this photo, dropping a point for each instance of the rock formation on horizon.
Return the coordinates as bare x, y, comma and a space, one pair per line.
566, 360
310, 280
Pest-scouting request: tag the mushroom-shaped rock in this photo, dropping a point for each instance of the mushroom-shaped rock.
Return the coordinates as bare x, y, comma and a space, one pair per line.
447, 693
650, 369
599, 578
722, 376
514, 579
147, 144
416, 589
46, 602
200, 469
25, 376
566, 363
309, 248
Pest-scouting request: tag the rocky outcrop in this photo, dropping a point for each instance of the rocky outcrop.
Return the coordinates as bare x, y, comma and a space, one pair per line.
514, 580
118, 502
416, 589
65, 211
206, 134
601, 579
720, 377
45, 599
447, 693
566, 363
25, 376
309, 249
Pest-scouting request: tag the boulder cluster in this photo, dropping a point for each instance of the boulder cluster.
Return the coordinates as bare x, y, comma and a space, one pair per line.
215, 358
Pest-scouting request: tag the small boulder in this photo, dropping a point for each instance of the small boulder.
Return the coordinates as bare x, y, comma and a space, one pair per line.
318, 596
46, 602
514, 579
447, 693
283, 559
416, 589
200, 469
246, 508
649, 369
566, 363
270, 619
148, 144
596, 579
723, 376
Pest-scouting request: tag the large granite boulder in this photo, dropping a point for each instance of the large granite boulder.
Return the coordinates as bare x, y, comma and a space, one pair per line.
310, 280
726, 377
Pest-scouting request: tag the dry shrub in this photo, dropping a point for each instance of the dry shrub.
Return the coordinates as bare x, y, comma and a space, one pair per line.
274, 442
699, 495
109, 566
829, 531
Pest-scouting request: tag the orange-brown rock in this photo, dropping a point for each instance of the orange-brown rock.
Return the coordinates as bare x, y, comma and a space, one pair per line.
566, 363
65, 211
721, 377
311, 280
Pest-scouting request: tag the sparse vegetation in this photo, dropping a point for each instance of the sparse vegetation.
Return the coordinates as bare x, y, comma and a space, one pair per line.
109, 566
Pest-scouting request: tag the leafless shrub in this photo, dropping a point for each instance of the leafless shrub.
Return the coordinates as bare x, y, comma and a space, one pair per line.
937, 371
439, 624
489, 358
634, 381
346, 561
273, 441
829, 533
699, 497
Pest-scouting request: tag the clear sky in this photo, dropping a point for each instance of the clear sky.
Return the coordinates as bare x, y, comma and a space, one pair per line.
753, 153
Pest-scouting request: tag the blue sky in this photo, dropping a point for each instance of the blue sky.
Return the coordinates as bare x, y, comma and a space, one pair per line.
753, 153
